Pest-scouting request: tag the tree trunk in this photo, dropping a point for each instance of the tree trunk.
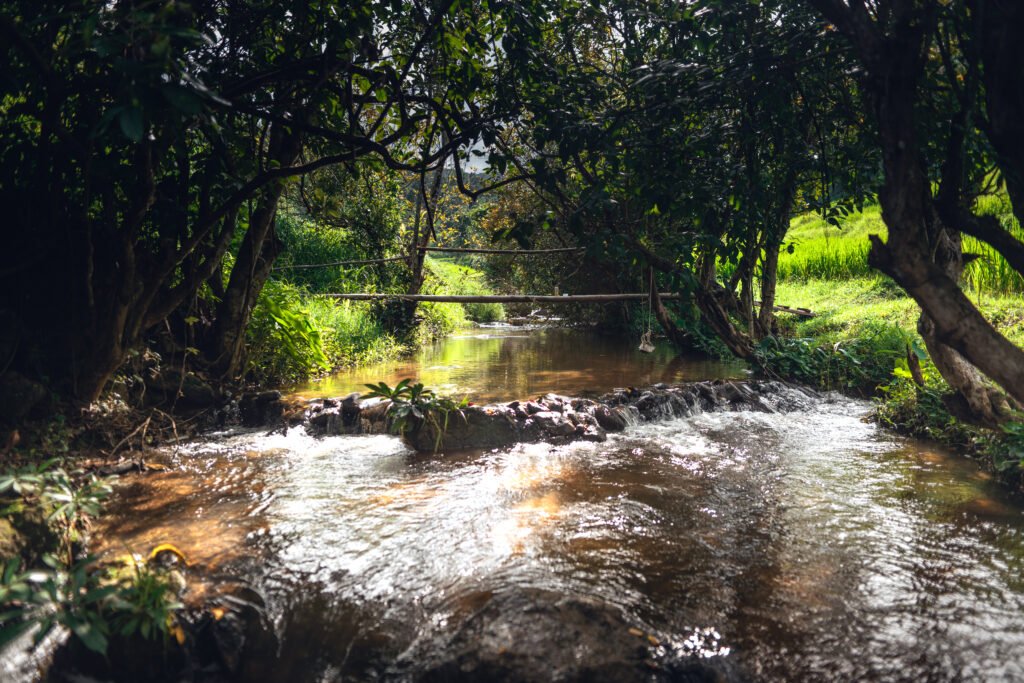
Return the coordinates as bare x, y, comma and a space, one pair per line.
769, 278
681, 340
260, 248
770, 262
713, 314
951, 323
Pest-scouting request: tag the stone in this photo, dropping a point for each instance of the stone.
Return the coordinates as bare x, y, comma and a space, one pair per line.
261, 409
553, 418
533, 634
609, 418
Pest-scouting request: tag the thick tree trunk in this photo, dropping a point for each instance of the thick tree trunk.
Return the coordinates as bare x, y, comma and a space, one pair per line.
260, 248
955, 323
951, 323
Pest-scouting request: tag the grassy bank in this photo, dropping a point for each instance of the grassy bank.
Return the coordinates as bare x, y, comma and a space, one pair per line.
297, 333
865, 326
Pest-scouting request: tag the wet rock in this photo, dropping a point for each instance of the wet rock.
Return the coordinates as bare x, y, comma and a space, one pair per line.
261, 409
553, 423
554, 418
335, 416
196, 393
541, 635
554, 402
373, 416
475, 427
171, 387
610, 419
583, 404
239, 629
25, 530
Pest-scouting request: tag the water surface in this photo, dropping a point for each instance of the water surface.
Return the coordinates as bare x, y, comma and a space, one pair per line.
802, 546
505, 362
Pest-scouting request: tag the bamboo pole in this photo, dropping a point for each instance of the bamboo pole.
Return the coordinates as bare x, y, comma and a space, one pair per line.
530, 299
500, 298
360, 262
513, 252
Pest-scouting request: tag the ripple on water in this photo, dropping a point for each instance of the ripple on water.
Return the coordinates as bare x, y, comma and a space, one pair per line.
802, 546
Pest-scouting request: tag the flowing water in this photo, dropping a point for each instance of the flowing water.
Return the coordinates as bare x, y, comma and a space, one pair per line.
803, 546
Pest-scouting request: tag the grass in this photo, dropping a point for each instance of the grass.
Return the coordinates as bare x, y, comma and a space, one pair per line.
865, 323
321, 334
815, 250
296, 334
447, 276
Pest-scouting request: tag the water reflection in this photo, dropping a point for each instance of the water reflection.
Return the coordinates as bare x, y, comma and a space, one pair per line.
808, 546
505, 363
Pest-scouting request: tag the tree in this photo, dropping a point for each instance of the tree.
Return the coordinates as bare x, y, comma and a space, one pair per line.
683, 136
910, 50
140, 140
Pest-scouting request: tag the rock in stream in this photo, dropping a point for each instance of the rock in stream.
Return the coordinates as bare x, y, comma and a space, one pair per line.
553, 418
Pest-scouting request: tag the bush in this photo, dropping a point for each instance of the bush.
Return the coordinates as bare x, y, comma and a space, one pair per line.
859, 365
91, 601
1007, 449
919, 411
439, 320
450, 277
295, 335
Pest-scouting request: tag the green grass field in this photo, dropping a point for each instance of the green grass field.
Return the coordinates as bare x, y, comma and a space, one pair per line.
864, 315
825, 269
815, 250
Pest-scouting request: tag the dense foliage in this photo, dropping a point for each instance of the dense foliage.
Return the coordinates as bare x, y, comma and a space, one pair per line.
159, 159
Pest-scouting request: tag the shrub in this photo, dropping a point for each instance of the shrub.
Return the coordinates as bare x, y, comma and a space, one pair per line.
295, 335
859, 365
91, 601
452, 278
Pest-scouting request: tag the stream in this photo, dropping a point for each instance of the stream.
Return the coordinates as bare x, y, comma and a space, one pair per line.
809, 545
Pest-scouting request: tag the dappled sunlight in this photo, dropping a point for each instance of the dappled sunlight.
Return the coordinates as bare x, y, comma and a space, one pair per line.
512, 535
404, 493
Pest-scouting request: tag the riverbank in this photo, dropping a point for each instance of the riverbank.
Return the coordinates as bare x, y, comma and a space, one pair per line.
865, 332
297, 334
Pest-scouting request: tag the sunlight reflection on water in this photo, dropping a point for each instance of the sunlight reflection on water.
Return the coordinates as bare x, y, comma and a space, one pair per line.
803, 546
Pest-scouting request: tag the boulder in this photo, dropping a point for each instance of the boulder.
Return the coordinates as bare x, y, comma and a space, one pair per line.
532, 634
335, 416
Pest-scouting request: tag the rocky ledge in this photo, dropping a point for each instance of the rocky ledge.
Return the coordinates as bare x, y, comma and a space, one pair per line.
553, 418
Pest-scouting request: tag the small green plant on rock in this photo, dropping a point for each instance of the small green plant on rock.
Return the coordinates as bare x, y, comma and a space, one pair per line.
59, 595
92, 601
413, 406
67, 500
